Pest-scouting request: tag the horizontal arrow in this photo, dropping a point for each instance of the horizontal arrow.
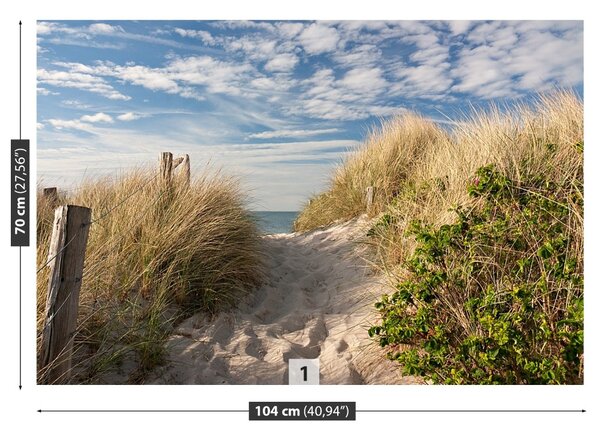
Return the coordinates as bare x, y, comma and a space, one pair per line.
360, 411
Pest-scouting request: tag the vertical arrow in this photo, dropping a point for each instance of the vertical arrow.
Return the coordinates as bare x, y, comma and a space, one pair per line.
20, 284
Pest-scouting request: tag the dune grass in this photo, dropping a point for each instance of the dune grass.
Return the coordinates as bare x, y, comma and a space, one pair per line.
434, 232
410, 155
386, 160
154, 255
420, 170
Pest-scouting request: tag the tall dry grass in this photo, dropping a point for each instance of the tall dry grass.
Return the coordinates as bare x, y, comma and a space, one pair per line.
154, 255
421, 170
387, 160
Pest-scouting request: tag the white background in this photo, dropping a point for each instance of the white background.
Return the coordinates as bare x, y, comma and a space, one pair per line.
19, 407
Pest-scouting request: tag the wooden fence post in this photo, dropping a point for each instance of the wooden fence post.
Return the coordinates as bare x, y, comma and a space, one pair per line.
51, 195
67, 253
370, 194
166, 166
186, 169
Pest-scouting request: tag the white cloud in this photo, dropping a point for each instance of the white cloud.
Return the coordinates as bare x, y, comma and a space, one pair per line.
428, 74
218, 76
364, 80
76, 104
75, 67
384, 111
86, 36
39, 126
99, 117
282, 62
254, 47
243, 24
423, 81
85, 123
154, 79
354, 96
291, 133
360, 55
68, 124
319, 38
272, 84
179, 76
327, 110
202, 35
85, 82
48, 27
289, 30
44, 91
506, 59
103, 28
44, 28
129, 116
458, 27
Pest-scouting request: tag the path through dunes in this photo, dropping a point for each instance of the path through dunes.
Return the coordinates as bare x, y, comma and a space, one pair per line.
316, 302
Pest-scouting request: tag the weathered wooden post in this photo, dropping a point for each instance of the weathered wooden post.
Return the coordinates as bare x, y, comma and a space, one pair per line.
66, 254
166, 167
51, 195
184, 174
186, 169
370, 195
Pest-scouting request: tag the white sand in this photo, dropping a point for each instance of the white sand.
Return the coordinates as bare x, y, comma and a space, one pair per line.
316, 303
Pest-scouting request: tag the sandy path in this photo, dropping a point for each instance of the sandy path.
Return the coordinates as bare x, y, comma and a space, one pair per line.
317, 302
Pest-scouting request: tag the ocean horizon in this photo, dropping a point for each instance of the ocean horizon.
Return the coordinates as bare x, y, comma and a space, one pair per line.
270, 222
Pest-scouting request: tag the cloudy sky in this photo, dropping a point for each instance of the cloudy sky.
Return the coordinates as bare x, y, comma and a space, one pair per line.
276, 103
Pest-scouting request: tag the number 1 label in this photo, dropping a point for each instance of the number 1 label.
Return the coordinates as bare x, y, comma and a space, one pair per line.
303, 371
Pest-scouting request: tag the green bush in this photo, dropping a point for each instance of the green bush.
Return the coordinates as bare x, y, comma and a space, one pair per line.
496, 297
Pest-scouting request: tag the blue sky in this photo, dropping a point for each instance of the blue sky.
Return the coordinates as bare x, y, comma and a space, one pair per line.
276, 103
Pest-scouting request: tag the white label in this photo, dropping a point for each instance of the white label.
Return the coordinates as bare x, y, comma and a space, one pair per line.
303, 371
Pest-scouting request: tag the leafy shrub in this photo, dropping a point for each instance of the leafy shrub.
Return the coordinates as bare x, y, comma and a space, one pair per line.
497, 295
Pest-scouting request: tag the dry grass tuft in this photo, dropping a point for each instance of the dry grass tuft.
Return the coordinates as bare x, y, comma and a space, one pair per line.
387, 160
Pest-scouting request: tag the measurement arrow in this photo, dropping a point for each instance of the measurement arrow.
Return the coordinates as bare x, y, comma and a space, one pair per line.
20, 280
358, 411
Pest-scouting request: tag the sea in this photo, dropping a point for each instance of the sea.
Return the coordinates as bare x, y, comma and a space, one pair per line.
275, 222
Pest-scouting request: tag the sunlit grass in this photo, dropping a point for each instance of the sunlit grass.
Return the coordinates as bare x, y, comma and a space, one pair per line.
154, 254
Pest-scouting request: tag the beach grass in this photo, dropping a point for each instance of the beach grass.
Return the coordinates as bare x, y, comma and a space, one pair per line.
154, 254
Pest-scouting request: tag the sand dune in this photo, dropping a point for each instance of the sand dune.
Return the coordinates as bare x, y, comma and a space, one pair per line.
316, 303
